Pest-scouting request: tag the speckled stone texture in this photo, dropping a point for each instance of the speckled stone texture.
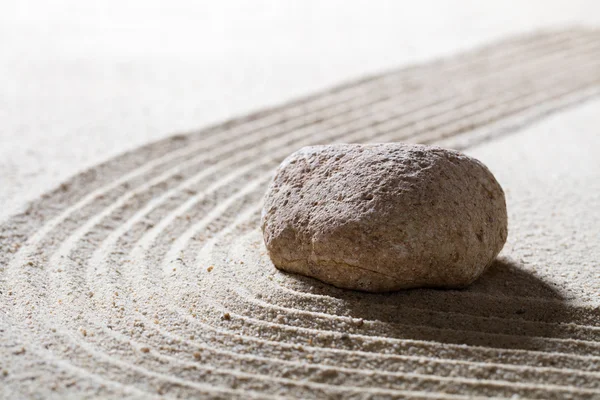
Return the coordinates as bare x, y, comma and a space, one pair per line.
384, 217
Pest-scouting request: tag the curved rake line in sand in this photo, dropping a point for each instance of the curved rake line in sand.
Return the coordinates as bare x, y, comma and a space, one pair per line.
387, 329
459, 318
160, 178
130, 368
526, 46
561, 346
192, 200
372, 358
581, 392
452, 384
191, 347
315, 389
236, 305
203, 225
493, 116
252, 214
179, 381
590, 392
188, 152
185, 152
67, 367
561, 38
127, 369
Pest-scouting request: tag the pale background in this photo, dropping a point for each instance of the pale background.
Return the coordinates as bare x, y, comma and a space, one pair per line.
82, 81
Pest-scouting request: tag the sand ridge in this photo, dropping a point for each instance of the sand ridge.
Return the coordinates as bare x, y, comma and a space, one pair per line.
146, 275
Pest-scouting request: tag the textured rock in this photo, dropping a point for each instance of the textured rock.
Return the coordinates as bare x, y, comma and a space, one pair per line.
384, 216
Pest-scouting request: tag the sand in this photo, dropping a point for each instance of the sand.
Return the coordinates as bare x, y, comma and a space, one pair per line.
146, 275
84, 82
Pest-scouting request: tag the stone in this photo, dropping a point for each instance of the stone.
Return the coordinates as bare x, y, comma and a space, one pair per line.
383, 217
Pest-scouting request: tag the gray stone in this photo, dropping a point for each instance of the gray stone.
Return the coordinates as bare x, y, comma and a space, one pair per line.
383, 217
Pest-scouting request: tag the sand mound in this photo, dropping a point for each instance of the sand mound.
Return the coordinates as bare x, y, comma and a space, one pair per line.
147, 274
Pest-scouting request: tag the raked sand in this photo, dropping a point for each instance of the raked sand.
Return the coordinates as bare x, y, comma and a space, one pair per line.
147, 276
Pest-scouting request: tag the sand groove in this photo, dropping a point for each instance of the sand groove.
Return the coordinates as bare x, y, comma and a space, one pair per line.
146, 276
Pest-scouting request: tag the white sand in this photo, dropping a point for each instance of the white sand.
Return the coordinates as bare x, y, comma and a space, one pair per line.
105, 283
84, 81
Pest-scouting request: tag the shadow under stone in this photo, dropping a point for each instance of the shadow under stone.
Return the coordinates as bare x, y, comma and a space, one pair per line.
508, 307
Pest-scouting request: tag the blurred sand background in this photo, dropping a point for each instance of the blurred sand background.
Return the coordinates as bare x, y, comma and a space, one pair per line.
83, 81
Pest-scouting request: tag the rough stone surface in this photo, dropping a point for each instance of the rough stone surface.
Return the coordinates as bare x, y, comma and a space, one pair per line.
384, 217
